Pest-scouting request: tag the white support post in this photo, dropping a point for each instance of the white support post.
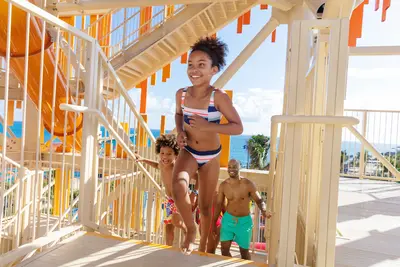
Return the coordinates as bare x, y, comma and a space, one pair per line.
89, 157
329, 185
291, 162
247, 52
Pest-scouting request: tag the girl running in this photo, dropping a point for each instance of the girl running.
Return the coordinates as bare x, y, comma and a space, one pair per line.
199, 109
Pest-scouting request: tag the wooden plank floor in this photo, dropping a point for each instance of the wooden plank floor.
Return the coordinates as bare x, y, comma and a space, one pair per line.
369, 220
92, 249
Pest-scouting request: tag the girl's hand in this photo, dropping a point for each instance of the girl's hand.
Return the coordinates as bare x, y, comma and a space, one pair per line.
198, 122
182, 139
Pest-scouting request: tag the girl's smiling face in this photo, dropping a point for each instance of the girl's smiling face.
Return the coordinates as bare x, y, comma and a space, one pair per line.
200, 69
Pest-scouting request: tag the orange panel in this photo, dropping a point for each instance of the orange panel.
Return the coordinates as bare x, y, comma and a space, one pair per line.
19, 105
376, 5
141, 137
153, 79
184, 58
240, 25
273, 37
10, 113
355, 28
103, 33
166, 72
162, 126
263, 7
145, 19
225, 140
143, 96
214, 35
247, 18
93, 30
385, 7
170, 10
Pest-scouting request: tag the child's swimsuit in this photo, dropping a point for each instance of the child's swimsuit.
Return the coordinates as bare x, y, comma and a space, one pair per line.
238, 229
169, 209
211, 114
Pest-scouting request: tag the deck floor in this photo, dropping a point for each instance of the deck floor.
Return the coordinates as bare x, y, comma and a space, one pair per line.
91, 249
369, 220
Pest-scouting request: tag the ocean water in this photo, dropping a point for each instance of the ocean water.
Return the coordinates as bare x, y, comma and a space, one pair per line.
238, 143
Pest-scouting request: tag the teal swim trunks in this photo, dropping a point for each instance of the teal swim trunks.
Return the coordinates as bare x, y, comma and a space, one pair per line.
238, 229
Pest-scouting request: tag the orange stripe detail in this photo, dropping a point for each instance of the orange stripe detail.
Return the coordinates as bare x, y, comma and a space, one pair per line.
143, 96
385, 7
366, 2
240, 25
153, 79
19, 105
263, 7
247, 18
273, 37
184, 58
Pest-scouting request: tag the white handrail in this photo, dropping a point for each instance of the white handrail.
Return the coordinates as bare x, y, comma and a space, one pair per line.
303, 119
121, 89
38, 12
100, 116
375, 152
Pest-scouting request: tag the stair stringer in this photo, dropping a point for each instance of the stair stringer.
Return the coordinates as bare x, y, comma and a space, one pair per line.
174, 38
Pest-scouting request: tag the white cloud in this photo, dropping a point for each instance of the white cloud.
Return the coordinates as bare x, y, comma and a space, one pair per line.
256, 107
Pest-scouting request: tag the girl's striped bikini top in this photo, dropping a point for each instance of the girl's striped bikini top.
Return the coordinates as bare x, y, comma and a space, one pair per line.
211, 114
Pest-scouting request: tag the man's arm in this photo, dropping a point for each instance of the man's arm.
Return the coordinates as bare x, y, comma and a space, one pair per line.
220, 202
255, 195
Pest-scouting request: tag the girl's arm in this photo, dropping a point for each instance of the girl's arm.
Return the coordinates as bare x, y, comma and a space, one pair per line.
224, 104
178, 112
152, 163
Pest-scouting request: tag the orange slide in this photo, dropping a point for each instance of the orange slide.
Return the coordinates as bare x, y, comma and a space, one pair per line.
17, 64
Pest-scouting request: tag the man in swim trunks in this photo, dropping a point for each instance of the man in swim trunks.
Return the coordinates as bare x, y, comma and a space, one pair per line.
237, 223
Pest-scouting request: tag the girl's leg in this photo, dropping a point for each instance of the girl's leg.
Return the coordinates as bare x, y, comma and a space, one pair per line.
213, 241
178, 222
185, 167
208, 183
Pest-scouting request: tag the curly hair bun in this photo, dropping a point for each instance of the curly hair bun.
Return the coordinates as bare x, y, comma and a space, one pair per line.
215, 48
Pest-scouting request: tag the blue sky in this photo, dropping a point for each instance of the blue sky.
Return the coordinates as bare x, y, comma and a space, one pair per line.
258, 85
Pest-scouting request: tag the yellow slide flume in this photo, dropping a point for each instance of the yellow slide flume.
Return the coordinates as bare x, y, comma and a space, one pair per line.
17, 65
